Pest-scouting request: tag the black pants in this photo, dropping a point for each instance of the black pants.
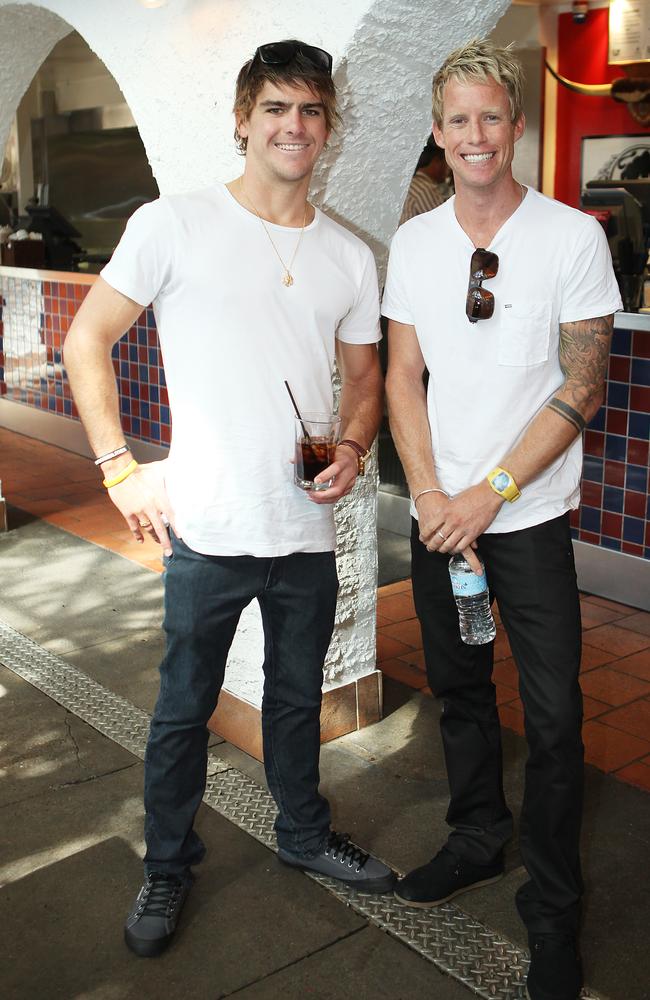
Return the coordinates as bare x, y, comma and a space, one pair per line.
531, 573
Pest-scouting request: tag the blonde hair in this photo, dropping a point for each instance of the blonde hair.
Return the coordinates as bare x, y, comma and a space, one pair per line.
476, 62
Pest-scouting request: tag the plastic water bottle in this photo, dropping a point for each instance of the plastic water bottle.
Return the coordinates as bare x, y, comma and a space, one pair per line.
472, 600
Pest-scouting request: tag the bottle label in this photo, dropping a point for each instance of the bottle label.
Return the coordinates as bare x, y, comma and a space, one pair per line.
468, 584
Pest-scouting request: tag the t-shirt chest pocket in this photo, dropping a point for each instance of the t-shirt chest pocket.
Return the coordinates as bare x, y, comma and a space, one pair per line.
524, 333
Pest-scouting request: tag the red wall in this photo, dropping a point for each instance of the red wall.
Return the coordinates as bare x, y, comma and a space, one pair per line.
582, 56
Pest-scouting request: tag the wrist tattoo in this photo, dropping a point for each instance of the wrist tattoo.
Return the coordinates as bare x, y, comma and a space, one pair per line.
568, 413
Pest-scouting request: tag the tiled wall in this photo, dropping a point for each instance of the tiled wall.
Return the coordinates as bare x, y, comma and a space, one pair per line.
615, 509
35, 316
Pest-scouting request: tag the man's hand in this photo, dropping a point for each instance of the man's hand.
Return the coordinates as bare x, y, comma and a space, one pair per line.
454, 525
343, 470
142, 500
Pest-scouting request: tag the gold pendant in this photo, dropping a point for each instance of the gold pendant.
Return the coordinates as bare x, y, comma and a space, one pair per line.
287, 279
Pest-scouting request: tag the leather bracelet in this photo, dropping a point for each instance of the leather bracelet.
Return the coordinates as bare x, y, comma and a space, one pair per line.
112, 454
362, 454
434, 489
121, 476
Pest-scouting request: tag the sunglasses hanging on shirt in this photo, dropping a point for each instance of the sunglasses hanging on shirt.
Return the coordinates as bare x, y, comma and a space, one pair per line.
480, 301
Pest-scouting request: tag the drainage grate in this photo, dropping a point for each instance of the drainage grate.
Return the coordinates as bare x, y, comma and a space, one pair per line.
460, 946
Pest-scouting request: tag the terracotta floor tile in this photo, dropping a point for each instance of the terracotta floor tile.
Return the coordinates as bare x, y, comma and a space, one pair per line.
617, 640
593, 615
381, 620
415, 657
506, 694
511, 718
404, 672
397, 607
639, 622
501, 645
614, 688
636, 774
394, 588
633, 718
407, 631
388, 648
608, 748
592, 708
604, 602
592, 657
505, 672
637, 664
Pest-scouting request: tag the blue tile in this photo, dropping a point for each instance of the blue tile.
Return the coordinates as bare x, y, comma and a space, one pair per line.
125, 406
133, 352
646, 553
615, 447
164, 414
144, 411
574, 533
134, 390
163, 380
153, 356
151, 320
590, 519
613, 498
135, 425
598, 422
618, 395
592, 469
155, 432
153, 394
647, 512
143, 373
641, 371
639, 425
124, 369
636, 478
610, 543
622, 342
67, 407
633, 529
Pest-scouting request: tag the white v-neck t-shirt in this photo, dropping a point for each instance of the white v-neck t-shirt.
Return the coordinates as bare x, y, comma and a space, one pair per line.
230, 334
488, 380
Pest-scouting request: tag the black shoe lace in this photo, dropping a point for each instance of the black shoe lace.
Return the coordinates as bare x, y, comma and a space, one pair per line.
160, 893
340, 847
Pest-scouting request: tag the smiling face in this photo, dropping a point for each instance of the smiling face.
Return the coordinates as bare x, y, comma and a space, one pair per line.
478, 134
285, 132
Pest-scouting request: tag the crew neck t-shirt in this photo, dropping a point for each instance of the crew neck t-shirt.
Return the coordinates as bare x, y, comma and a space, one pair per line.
231, 333
488, 380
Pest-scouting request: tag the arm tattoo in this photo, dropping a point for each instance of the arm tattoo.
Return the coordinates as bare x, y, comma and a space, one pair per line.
583, 355
564, 410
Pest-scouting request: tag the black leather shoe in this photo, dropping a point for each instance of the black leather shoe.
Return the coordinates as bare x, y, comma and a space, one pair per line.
342, 859
555, 971
444, 877
152, 921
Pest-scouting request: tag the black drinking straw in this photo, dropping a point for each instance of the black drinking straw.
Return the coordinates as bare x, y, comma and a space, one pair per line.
295, 406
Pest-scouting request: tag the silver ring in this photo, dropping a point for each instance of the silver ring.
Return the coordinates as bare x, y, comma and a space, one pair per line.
444, 537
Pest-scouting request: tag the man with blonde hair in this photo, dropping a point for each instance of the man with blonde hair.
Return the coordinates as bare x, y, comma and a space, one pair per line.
506, 297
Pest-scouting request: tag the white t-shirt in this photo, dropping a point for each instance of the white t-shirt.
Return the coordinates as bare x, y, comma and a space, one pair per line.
489, 379
230, 334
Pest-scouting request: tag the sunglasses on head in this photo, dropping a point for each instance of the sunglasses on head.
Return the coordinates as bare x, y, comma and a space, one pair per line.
281, 53
480, 302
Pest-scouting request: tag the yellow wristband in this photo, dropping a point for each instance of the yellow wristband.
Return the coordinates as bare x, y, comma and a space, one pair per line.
502, 483
121, 476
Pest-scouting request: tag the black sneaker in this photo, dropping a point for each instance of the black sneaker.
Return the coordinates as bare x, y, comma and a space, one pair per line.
555, 971
444, 877
342, 859
152, 921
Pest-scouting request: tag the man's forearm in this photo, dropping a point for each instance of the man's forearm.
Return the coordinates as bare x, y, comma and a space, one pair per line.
409, 425
361, 407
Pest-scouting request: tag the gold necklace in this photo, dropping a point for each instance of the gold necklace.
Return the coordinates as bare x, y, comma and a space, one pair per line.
287, 277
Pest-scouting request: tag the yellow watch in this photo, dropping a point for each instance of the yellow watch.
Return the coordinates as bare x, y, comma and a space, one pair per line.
502, 483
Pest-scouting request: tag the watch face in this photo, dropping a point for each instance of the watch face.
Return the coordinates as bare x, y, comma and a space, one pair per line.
501, 481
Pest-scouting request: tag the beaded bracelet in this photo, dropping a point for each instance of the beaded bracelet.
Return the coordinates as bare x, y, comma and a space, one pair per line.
121, 476
433, 490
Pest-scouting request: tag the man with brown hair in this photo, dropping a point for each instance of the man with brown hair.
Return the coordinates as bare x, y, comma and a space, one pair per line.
506, 297
251, 287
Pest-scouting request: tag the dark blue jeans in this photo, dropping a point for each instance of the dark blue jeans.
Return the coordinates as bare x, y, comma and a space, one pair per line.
204, 598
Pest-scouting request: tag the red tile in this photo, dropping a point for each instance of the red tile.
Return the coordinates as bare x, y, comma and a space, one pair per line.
617, 641
505, 672
589, 536
631, 549
638, 622
511, 717
619, 369
635, 774
407, 632
591, 494
388, 648
635, 503
594, 443
501, 645
615, 473
415, 657
608, 685
592, 709
574, 518
593, 615
397, 607
637, 451
616, 421
505, 694
608, 748
604, 602
633, 719
641, 342
640, 398
403, 672
612, 524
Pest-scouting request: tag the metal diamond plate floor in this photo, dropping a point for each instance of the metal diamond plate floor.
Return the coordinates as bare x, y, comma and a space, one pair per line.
460, 946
